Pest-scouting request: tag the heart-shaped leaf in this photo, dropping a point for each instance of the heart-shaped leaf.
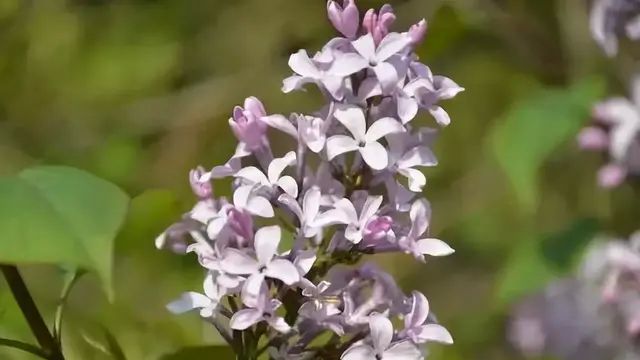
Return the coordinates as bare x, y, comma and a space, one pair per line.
60, 215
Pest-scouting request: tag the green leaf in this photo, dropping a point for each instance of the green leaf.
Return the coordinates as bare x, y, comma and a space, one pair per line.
60, 215
201, 352
525, 271
535, 127
564, 250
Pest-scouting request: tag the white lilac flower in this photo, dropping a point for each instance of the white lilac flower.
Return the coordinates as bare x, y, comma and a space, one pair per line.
415, 327
381, 347
307, 214
274, 178
311, 130
266, 263
263, 309
377, 57
363, 140
413, 243
344, 212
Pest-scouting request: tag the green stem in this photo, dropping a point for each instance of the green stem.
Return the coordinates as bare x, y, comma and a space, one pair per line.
47, 342
66, 291
32, 349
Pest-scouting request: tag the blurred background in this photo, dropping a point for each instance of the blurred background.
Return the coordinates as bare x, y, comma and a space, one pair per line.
139, 92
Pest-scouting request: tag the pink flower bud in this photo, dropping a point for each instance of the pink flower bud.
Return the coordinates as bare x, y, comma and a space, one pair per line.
247, 124
377, 229
378, 24
344, 18
200, 185
612, 175
417, 32
593, 138
241, 223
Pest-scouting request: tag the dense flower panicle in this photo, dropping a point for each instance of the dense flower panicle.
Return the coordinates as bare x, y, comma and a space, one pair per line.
281, 255
616, 131
594, 315
611, 19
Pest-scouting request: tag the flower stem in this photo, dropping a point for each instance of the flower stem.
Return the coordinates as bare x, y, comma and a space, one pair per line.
48, 344
32, 349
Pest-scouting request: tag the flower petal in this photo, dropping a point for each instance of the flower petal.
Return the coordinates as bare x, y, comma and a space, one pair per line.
407, 107
281, 123
391, 45
435, 332
353, 234
415, 177
441, 116
419, 214
278, 323
245, 318
187, 302
365, 46
359, 352
346, 64
288, 185
387, 75
370, 207
434, 247
348, 210
375, 155
352, 117
237, 262
251, 290
419, 310
266, 243
383, 127
301, 64
340, 144
277, 166
283, 270
260, 206
294, 82
291, 203
381, 332
418, 156
253, 175
311, 203
404, 350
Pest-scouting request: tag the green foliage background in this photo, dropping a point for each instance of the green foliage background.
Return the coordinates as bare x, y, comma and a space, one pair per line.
139, 91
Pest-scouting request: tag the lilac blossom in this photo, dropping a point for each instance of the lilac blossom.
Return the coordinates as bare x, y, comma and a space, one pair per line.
381, 346
616, 131
279, 255
613, 18
261, 310
364, 140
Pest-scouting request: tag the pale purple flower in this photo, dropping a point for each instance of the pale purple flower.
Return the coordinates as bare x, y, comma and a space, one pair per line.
344, 212
264, 264
593, 138
247, 126
207, 303
238, 216
311, 130
415, 327
274, 178
364, 140
345, 18
327, 69
376, 229
404, 158
613, 18
378, 24
263, 309
381, 347
307, 214
428, 95
376, 57
413, 243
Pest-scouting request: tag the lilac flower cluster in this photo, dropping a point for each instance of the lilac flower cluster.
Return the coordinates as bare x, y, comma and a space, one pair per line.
283, 255
591, 316
613, 18
616, 131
